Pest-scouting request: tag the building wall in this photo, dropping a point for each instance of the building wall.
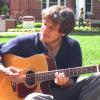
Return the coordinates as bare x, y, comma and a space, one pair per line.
95, 10
95, 15
24, 8
33, 8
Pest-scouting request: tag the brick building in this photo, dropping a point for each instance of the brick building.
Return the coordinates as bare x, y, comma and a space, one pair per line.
34, 7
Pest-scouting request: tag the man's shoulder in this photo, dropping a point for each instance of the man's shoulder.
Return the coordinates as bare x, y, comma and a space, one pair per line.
70, 40
25, 37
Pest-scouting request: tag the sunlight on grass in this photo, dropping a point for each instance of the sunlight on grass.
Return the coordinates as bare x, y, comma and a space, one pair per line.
90, 46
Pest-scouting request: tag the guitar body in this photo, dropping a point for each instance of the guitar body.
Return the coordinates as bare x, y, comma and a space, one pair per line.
18, 91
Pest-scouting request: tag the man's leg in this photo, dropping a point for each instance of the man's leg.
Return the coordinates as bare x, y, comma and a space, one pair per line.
79, 23
69, 93
91, 91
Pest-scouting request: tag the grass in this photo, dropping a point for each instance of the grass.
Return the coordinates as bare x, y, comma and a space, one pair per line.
89, 42
90, 45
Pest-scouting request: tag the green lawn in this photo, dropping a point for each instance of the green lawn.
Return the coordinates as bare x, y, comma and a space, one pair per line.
90, 45
89, 41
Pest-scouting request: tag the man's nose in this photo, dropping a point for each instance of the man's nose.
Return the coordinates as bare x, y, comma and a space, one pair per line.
44, 29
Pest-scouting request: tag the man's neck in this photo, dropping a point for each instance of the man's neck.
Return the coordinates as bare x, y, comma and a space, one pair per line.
53, 48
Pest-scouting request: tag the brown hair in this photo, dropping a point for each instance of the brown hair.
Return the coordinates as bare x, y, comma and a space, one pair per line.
60, 15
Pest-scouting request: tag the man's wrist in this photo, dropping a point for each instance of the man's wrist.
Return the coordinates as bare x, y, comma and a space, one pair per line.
69, 83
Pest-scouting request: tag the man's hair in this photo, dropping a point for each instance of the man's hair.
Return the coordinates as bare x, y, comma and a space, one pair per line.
60, 15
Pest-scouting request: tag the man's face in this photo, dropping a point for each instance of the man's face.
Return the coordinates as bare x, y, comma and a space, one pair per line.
49, 31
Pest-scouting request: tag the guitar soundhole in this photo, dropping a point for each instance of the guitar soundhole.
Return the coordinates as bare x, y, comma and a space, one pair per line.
30, 80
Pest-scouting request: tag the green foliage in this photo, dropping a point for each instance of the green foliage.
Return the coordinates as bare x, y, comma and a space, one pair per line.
21, 30
37, 25
19, 26
4, 10
77, 23
85, 28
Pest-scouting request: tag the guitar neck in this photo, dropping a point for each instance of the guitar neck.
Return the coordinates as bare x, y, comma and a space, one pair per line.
50, 75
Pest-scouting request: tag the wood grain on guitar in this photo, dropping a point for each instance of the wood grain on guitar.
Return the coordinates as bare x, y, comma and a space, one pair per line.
39, 69
29, 66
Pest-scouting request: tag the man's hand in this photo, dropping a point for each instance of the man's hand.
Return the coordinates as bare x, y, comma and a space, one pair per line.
13, 73
62, 80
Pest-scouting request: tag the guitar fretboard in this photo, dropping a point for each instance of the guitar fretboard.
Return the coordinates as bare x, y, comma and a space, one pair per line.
50, 75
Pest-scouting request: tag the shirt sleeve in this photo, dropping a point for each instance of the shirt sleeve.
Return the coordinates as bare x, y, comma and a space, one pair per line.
9, 46
75, 57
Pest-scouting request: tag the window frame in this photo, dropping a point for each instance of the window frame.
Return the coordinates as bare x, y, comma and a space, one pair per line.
91, 9
47, 3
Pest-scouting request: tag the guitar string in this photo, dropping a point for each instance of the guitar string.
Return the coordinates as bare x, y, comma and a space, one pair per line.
44, 75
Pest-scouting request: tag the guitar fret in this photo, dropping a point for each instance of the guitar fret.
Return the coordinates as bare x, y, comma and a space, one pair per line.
68, 72
44, 76
77, 71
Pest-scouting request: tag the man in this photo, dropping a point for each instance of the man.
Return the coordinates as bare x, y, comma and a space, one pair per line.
53, 40
81, 17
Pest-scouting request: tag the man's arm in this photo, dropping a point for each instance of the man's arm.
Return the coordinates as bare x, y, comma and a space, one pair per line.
76, 57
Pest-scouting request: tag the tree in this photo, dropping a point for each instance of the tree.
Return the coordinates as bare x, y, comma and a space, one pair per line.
2, 2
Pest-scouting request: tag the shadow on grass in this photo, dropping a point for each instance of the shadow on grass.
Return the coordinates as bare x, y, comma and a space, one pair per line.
7, 36
85, 33
79, 33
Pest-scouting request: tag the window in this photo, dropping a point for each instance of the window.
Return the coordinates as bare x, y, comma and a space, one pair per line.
62, 2
53, 2
47, 3
43, 4
88, 5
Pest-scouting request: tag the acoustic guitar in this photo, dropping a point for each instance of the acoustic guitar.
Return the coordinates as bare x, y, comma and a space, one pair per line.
38, 69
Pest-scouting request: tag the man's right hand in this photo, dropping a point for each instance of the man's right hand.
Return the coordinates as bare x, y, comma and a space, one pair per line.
13, 73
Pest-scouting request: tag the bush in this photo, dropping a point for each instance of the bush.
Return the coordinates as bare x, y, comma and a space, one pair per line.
86, 28
37, 25
19, 26
4, 10
21, 30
